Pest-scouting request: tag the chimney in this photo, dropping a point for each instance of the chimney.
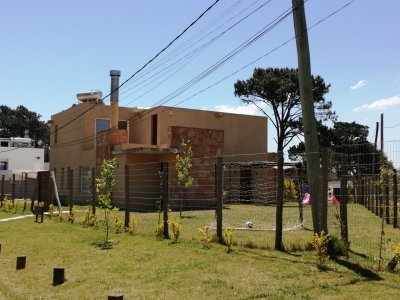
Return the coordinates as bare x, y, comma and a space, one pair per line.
115, 74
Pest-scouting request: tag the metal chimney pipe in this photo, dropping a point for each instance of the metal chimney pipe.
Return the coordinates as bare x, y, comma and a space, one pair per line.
115, 74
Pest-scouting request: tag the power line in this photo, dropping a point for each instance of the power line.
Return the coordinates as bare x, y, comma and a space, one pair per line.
212, 40
189, 57
147, 112
145, 65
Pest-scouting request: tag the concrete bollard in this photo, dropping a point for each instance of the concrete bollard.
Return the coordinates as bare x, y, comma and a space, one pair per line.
21, 262
58, 276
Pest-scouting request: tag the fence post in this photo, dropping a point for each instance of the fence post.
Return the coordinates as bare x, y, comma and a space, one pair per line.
219, 199
26, 186
325, 175
376, 195
2, 188
127, 196
13, 188
395, 204
387, 200
93, 190
164, 170
344, 231
71, 188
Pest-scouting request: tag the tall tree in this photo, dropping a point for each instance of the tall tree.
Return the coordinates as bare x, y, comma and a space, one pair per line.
278, 89
14, 123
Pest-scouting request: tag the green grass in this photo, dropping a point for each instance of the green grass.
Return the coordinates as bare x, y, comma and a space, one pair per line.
142, 267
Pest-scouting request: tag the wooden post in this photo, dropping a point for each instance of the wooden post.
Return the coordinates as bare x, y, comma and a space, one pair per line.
325, 178
395, 197
2, 188
21, 262
219, 199
127, 196
71, 188
93, 190
13, 188
58, 276
376, 194
116, 297
165, 195
26, 186
387, 200
344, 231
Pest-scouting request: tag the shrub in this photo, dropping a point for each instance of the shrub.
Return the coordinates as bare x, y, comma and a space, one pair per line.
71, 217
336, 247
396, 258
50, 212
228, 238
119, 224
131, 229
86, 220
320, 243
159, 230
206, 237
176, 229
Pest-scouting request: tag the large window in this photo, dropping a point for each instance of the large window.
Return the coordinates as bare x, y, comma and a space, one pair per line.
102, 125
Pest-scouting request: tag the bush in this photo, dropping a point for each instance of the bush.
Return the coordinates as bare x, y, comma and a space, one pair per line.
336, 247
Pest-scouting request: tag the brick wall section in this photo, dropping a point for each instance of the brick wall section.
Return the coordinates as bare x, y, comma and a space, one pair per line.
105, 140
206, 145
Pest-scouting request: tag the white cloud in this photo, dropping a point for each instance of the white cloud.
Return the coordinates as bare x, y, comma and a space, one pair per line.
249, 109
379, 104
359, 85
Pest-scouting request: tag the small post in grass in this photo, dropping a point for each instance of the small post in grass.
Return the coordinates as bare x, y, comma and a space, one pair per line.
116, 297
21, 262
58, 276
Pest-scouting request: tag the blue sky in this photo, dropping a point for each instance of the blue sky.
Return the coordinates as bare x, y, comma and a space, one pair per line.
51, 50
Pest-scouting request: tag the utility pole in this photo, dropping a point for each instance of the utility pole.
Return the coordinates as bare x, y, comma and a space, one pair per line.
309, 121
382, 138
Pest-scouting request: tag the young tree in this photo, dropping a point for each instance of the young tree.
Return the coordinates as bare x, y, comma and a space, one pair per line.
183, 166
278, 89
104, 187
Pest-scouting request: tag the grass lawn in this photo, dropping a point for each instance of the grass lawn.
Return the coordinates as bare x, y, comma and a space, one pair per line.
142, 267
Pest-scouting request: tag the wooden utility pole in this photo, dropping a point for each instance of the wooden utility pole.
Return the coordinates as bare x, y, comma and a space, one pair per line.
309, 122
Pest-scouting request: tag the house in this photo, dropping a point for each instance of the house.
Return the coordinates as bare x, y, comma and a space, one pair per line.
19, 159
90, 131
19, 155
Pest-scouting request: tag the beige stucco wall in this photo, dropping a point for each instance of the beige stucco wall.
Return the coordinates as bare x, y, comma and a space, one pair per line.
243, 134
76, 142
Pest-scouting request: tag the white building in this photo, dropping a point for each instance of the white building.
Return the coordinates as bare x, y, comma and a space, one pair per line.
18, 155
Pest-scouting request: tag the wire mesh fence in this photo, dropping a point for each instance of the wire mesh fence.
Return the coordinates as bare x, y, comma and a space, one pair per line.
361, 196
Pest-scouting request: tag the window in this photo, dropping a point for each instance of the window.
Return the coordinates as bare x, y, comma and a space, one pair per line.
4, 143
3, 165
123, 125
86, 179
154, 125
102, 125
